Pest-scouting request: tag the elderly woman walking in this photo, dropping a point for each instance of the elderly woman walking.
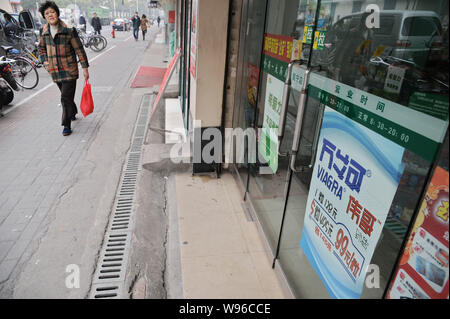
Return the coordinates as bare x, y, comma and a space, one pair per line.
144, 24
59, 46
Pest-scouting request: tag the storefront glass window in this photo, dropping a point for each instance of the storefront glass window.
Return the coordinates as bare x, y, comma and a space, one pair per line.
379, 83
399, 64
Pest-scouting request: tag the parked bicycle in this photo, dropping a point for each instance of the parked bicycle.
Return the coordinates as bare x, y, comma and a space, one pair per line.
23, 69
95, 42
29, 49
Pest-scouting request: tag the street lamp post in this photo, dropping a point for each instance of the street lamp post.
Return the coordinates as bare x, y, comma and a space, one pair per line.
37, 10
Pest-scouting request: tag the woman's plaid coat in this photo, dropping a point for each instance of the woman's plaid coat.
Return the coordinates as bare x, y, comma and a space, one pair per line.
60, 52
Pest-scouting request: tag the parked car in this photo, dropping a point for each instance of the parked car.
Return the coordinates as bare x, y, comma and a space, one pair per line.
411, 43
25, 20
413, 35
120, 25
24, 23
28, 23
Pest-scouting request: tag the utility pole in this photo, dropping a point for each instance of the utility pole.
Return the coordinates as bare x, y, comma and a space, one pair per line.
37, 11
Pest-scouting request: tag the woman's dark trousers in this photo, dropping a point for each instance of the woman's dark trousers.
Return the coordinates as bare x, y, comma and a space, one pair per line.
69, 108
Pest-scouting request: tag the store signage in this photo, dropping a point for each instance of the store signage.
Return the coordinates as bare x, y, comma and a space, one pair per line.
308, 34
319, 40
278, 47
394, 79
277, 71
275, 67
298, 78
423, 271
354, 181
172, 16
296, 50
317, 37
268, 146
432, 104
411, 129
278, 52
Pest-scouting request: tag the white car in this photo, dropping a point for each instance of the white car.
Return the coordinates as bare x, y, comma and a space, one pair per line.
120, 25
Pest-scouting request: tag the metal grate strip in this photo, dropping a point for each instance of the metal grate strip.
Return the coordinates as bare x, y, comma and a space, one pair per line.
109, 277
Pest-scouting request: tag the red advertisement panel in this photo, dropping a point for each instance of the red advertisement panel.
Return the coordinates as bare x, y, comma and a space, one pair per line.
423, 271
172, 16
278, 47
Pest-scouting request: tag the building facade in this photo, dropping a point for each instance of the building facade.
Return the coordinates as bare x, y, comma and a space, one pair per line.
343, 110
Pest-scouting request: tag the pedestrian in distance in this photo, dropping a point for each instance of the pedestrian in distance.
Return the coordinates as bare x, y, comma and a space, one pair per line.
144, 25
82, 23
96, 24
136, 24
158, 20
59, 46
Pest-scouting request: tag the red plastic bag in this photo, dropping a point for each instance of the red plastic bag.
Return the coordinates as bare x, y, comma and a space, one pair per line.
87, 103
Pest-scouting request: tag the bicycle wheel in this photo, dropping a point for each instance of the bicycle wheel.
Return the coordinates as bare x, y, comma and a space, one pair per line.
24, 73
93, 44
104, 40
98, 44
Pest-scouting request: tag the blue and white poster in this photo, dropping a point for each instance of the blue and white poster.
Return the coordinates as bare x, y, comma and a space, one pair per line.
355, 178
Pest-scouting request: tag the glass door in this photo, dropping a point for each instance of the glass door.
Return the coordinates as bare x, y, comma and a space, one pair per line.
248, 73
376, 114
284, 64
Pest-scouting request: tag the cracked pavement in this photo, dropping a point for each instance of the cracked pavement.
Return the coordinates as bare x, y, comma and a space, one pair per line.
154, 272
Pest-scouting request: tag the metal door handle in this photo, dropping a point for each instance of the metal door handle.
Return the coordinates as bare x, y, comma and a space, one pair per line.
285, 103
299, 126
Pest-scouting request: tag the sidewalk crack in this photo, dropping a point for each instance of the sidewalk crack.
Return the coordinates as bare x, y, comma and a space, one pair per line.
133, 283
164, 264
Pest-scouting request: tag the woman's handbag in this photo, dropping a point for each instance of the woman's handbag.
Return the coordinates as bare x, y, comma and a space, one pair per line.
87, 103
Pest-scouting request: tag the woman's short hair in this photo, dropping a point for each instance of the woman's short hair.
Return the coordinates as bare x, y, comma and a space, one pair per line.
143, 16
46, 5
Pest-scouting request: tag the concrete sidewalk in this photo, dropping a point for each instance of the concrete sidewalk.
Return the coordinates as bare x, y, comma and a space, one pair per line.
222, 252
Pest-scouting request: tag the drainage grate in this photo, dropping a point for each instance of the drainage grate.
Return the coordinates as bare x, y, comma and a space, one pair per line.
140, 131
112, 264
109, 277
108, 291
